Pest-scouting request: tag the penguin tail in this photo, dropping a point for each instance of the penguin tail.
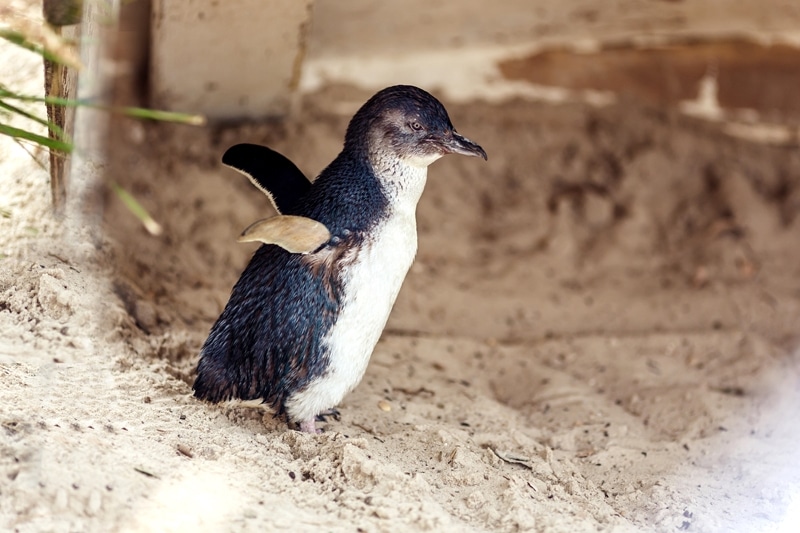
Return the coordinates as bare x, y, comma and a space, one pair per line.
213, 382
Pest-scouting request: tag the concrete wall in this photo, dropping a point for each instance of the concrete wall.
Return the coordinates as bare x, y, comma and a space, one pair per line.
242, 59
370, 27
227, 59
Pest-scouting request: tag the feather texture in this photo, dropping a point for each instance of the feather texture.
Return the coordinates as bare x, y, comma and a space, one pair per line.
299, 329
266, 344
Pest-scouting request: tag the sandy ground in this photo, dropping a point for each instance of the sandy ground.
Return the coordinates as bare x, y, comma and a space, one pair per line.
600, 333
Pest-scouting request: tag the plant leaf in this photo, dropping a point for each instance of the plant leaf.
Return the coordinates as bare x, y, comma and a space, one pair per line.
53, 144
154, 114
138, 112
136, 208
50, 125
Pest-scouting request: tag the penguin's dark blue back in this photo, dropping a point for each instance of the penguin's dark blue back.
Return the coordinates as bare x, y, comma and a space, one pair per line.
268, 341
346, 197
265, 343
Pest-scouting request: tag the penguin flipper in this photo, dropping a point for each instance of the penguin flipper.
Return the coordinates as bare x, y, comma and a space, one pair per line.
272, 173
297, 235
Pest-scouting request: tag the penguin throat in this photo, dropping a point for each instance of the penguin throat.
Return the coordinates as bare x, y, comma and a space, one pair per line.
401, 182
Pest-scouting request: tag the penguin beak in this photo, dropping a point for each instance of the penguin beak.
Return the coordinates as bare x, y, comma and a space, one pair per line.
453, 143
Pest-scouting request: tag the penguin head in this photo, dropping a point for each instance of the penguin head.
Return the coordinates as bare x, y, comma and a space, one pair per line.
409, 124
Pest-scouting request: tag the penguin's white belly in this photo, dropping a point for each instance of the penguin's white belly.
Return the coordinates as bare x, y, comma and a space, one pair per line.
371, 283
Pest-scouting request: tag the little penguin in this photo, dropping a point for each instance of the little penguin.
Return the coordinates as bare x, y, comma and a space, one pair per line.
303, 319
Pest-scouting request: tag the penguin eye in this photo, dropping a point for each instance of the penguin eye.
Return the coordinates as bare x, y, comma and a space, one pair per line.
416, 126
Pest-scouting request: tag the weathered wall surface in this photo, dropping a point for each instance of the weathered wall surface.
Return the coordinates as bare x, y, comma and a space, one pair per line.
724, 59
368, 27
227, 59
244, 61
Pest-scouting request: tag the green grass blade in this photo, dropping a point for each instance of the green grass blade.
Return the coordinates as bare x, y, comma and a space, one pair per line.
50, 125
138, 112
136, 208
167, 116
53, 144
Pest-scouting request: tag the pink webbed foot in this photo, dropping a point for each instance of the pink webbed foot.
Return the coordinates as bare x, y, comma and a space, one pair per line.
309, 426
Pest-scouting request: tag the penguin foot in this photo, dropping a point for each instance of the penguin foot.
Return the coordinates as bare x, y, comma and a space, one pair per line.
309, 426
333, 413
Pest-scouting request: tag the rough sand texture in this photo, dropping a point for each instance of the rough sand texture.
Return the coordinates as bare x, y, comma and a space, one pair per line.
600, 333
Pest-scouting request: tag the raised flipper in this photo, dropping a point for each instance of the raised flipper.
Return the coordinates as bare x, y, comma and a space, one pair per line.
272, 173
298, 235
